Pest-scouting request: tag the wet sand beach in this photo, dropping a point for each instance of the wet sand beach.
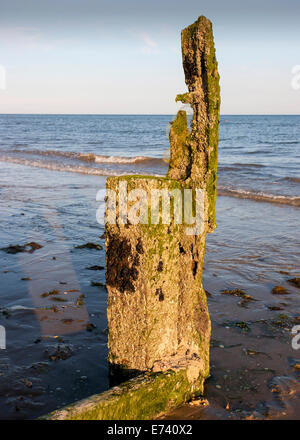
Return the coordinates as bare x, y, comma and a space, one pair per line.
56, 346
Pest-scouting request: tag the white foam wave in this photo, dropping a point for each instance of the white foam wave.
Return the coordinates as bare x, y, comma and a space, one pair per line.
89, 157
61, 167
259, 196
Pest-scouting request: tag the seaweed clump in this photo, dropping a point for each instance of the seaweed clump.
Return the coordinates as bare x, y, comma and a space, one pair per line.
16, 248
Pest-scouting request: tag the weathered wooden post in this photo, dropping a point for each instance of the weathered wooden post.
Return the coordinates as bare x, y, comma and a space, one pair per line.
157, 312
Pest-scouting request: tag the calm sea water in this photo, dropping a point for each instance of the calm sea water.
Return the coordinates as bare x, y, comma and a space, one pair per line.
51, 168
259, 155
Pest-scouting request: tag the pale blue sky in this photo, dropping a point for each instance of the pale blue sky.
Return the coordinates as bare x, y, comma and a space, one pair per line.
119, 56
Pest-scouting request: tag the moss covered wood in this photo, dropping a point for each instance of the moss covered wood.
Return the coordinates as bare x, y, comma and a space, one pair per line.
142, 398
157, 309
194, 156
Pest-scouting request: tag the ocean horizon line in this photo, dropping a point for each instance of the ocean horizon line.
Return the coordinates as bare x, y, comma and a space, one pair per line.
141, 114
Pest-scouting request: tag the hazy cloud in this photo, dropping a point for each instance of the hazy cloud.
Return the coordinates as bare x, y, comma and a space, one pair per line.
150, 46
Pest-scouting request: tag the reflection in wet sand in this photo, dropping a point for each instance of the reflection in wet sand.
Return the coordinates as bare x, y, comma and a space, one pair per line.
62, 313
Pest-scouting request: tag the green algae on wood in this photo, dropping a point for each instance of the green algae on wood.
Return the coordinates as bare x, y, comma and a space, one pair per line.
202, 79
154, 314
179, 152
156, 304
141, 398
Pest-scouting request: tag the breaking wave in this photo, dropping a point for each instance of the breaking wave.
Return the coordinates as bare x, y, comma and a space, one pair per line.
91, 157
292, 179
259, 196
62, 167
104, 165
